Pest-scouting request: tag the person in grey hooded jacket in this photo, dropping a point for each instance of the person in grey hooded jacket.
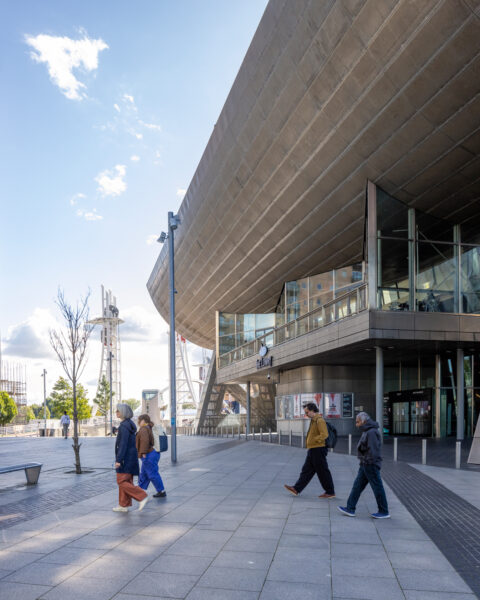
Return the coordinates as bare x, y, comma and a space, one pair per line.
369, 454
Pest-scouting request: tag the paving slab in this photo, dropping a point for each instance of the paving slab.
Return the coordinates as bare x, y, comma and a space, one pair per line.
226, 531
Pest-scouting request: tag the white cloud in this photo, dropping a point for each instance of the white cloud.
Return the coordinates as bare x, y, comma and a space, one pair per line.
74, 199
139, 136
62, 55
130, 100
150, 125
151, 239
142, 325
181, 192
111, 183
30, 339
92, 216
116, 107
134, 158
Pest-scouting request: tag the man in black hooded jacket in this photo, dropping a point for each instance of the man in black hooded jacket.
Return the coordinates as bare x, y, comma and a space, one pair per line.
368, 450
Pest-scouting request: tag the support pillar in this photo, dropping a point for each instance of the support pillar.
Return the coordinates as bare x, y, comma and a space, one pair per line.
460, 396
438, 408
379, 388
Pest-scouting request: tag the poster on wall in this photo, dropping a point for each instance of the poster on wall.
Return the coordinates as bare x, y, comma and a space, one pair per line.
316, 399
298, 406
333, 406
347, 406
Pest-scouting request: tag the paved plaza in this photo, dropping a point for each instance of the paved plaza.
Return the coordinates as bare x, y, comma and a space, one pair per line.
227, 530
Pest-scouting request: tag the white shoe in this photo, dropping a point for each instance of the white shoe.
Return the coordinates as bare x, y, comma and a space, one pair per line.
120, 509
141, 504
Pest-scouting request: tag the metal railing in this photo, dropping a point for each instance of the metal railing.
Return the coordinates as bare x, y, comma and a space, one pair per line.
348, 304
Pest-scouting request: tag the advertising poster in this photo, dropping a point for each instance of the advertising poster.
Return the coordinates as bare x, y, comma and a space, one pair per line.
333, 406
315, 398
298, 412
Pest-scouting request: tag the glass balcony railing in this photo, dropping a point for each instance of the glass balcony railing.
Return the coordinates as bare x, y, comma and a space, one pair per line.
344, 306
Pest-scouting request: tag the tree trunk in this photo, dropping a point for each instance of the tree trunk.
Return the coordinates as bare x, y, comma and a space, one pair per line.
76, 445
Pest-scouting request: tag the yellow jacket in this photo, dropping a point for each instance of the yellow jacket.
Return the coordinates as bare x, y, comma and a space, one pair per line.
317, 432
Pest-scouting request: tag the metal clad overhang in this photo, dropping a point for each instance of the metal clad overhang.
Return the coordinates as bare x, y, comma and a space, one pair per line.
329, 95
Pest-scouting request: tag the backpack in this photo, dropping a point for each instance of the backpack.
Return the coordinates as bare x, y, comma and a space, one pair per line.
331, 440
160, 440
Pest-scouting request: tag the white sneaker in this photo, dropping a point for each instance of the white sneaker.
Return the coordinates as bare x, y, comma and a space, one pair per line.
120, 509
141, 504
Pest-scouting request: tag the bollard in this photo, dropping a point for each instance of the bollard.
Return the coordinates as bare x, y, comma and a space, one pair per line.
290, 437
302, 441
261, 434
238, 432
424, 452
349, 443
253, 433
269, 436
395, 449
458, 454
221, 431
233, 435
279, 437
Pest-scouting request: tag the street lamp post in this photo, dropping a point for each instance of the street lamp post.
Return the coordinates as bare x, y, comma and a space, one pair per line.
44, 402
173, 223
110, 356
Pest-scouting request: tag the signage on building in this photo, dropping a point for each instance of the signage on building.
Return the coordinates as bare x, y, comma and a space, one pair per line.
265, 361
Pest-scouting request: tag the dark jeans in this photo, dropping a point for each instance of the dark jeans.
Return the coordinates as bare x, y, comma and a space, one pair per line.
316, 462
368, 474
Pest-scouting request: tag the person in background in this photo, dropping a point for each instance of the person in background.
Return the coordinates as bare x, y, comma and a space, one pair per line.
126, 462
369, 454
316, 460
65, 423
149, 457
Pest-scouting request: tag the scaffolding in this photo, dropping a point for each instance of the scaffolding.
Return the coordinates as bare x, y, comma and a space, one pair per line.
13, 380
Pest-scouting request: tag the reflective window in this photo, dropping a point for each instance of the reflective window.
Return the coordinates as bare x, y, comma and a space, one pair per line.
470, 280
393, 275
392, 216
436, 277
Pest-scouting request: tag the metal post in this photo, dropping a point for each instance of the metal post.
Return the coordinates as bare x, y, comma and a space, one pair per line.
458, 454
233, 435
290, 437
238, 432
248, 409
261, 434
110, 355
302, 440
424, 452
395, 449
173, 222
44, 402
270, 436
279, 437
253, 434
349, 443
379, 389
460, 396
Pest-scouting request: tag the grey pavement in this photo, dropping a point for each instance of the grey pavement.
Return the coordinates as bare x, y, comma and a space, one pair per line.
226, 531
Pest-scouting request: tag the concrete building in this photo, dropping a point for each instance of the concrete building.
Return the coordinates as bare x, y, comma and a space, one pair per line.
329, 242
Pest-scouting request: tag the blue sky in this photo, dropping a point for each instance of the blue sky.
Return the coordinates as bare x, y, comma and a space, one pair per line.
106, 108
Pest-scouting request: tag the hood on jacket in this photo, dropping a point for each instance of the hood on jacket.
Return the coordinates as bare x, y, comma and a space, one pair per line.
370, 424
129, 425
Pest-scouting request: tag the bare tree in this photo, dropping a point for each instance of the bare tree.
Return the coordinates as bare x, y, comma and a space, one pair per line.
70, 345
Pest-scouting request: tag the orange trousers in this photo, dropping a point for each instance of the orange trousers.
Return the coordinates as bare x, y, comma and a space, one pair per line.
127, 491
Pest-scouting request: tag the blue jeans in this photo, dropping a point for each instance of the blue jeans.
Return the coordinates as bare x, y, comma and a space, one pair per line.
368, 474
149, 472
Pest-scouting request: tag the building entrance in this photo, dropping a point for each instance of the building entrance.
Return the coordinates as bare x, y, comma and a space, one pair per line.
410, 412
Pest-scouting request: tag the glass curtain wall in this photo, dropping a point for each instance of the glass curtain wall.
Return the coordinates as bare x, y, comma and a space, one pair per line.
423, 264
297, 299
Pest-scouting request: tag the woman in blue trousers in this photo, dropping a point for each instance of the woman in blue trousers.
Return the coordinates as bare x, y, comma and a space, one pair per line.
149, 457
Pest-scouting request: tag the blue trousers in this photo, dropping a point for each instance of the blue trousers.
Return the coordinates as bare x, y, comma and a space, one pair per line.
149, 472
368, 474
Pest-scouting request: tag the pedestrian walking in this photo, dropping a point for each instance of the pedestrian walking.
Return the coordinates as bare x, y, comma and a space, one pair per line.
369, 454
149, 457
126, 462
65, 423
316, 461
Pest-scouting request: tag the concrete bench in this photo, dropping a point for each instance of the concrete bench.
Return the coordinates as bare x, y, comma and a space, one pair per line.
32, 471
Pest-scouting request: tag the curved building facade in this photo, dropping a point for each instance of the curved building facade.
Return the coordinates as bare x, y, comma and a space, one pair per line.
334, 98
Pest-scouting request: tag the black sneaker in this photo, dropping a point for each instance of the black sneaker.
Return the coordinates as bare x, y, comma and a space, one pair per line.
162, 494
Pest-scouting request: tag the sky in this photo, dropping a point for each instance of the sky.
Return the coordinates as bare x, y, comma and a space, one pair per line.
105, 111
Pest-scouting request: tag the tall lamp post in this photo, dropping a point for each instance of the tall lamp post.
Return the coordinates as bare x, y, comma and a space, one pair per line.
173, 223
110, 356
44, 375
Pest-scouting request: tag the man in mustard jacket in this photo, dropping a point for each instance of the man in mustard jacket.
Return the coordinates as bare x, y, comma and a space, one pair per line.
316, 461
